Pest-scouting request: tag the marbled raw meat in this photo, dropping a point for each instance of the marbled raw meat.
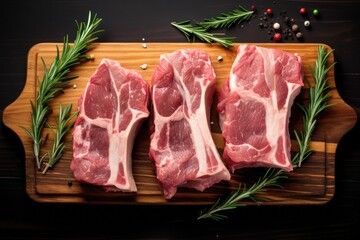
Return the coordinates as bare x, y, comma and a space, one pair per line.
182, 147
112, 108
255, 105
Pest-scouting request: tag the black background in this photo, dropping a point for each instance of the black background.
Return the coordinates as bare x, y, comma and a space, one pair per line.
24, 24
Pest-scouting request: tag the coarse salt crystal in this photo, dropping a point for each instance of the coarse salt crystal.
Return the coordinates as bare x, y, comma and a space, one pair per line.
144, 45
143, 66
219, 58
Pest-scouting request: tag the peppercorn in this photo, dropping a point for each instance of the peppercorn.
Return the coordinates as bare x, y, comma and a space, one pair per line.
69, 182
261, 25
316, 12
307, 23
287, 20
299, 35
269, 11
276, 26
253, 8
295, 28
302, 11
277, 37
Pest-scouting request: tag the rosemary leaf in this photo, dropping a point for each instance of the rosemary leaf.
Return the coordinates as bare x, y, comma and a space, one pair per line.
197, 31
317, 103
226, 20
55, 78
64, 126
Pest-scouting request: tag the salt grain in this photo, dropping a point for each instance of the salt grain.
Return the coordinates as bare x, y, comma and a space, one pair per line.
143, 66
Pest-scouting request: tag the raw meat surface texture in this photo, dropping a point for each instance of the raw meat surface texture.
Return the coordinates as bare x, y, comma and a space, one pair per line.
182, 147
112, 108
254, 107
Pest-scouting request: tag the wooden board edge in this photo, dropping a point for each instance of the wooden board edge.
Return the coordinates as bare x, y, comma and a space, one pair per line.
78, 199
30, 186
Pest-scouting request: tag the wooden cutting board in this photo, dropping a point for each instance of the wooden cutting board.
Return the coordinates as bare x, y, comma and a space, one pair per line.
313, 183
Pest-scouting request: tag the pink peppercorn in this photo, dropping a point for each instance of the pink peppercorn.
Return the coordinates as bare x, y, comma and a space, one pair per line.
277, 37
269, 11
302, 11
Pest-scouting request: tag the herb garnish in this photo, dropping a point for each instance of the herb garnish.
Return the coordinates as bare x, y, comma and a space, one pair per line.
317, 103
197, 31
64, 126
55, 79
225, 20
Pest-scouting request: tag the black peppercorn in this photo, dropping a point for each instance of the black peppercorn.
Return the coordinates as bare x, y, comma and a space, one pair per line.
287, 20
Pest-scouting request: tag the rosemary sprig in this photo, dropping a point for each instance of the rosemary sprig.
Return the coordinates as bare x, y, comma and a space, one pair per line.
64, 126
269, 179
197, 31
317, 103
55, 79
226, 20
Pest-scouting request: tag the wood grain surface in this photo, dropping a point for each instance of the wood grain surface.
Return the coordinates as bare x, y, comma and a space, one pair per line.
313, 183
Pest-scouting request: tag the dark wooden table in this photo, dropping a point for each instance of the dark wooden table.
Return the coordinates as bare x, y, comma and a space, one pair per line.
25, 24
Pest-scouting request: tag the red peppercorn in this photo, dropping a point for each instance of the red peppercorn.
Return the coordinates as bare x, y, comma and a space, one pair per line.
302, 11
269, 11
253, 8
277, 37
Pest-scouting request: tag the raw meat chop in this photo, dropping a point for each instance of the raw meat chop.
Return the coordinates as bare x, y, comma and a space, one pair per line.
255, 105
182, 147
112, 108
